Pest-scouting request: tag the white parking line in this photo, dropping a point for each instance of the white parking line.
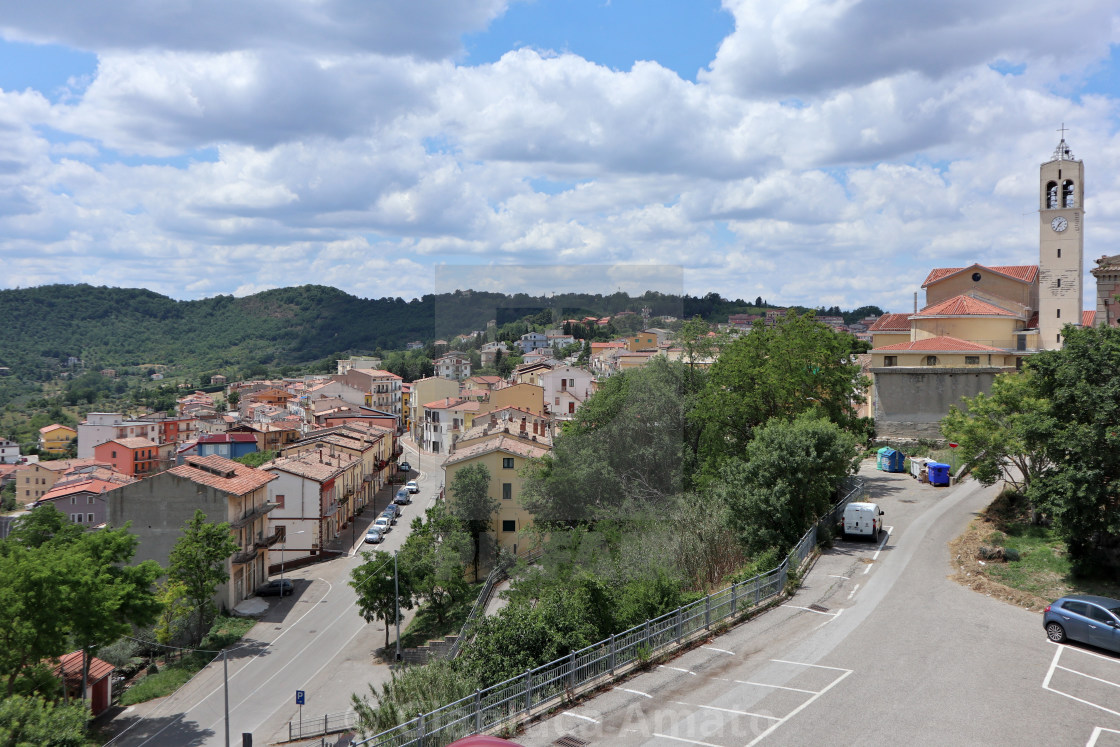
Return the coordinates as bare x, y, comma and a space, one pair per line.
882, 544
721, 650
852, 593
1054, 667
826, 622
726, 710
678, 669
688, 741
635, 692
846, 578
776, 687
576, 715
1097, 733
799, 708
810, 609
814, 666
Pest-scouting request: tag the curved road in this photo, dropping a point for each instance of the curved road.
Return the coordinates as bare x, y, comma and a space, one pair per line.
878, 647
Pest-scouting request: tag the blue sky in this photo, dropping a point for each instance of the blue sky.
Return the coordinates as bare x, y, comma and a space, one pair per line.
813, 153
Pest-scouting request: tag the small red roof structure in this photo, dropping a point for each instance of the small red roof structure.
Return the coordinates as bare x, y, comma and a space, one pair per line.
1022, 273
964, 306
891, 323
944, 344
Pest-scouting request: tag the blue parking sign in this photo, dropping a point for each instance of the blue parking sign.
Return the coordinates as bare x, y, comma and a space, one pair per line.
299, 697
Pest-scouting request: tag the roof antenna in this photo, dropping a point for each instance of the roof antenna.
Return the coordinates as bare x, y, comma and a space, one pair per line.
915, 302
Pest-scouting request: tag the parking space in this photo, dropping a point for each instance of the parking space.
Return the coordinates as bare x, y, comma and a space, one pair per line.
1102, 737
1085, 676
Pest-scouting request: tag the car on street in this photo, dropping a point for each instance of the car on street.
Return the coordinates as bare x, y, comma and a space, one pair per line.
373, 536
403, 497
390, 514
276, 588
1086, 618
404, 467
383, 524
397, 510
412, 487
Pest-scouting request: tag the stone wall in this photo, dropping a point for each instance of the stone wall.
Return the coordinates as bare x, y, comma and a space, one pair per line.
910, 402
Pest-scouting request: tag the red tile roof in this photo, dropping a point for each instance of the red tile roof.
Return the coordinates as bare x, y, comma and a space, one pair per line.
71, 664
224, 474
135, 442
1022, 273
943, 344
503, 443
964, 306
891, 323
1087, 318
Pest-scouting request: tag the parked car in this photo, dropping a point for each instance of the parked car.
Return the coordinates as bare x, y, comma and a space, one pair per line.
404, 467
862, 520
1085, 618
382, 524
373, 536
412, 487
403, 497
391, 515
397, 510
275, 588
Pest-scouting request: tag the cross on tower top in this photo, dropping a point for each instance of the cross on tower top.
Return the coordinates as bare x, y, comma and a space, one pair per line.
1063, 129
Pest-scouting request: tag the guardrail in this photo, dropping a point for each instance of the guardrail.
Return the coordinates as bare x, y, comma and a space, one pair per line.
517, 698
321, 725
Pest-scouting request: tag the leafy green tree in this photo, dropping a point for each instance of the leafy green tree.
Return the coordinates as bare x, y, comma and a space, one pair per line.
410, 692
378, 597
472, 504
1081, 490
198, 562
33, 720
257, 458
1004, 434
786, 479
434, 557
779, 371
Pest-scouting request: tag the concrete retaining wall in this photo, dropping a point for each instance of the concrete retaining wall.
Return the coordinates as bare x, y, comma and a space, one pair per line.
910, 402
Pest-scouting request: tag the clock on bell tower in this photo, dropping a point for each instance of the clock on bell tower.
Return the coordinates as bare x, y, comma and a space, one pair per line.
1060, 245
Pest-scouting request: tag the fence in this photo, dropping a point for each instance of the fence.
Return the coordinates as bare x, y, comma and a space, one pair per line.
548, 684
321, 725
496, 576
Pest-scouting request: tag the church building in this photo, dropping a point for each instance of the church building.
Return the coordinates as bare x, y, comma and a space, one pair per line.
980, 321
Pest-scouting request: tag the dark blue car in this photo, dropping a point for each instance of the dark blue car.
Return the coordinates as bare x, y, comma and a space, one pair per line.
1085, 618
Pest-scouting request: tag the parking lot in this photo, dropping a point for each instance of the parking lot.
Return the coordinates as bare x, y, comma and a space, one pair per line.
1086, 676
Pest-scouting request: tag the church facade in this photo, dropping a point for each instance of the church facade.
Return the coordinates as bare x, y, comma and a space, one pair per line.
980, 321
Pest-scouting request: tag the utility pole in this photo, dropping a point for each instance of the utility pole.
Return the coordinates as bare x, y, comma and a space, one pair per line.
225, 674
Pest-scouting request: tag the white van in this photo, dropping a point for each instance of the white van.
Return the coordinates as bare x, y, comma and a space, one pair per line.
862, 520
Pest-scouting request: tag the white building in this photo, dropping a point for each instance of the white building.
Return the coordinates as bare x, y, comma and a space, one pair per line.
9, 452
453, 366
566, 388
99, 427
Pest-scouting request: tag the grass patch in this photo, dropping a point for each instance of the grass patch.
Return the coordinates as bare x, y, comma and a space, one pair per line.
426, 627
1040, 575
224, 632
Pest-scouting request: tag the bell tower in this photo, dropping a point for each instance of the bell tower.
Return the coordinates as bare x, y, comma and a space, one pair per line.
1061, 244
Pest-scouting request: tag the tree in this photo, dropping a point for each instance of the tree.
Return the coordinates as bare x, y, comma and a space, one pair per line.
1004, 434
32, 719
472, 503
433, 559
378, 594
779, 371
1081, 490
786, 479
198, 561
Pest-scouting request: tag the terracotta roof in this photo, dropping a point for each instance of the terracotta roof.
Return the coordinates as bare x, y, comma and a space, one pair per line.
1087, 318
891, 323
1032, 323
315, 465
504, 443
83, 486
1022, 273
135, 442
486, 379
442, 404
379, 373
71, 664
943, 344
54, 427
964, 306
224, 474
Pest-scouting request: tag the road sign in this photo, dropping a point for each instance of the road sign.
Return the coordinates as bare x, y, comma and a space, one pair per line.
299, 697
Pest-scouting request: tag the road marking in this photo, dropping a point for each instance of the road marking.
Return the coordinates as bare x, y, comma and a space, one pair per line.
664, 666
682, 739
852, 593
815, 666
721, 650
799, 708
1097, 733
778, 687
846, 578
809, 609
826, 622
882, 544
1098, 679
576, 715
725, 710
636, 692
1050, 674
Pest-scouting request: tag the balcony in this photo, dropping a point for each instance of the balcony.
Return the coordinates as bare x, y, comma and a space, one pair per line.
244, 556
269, 541
253, 514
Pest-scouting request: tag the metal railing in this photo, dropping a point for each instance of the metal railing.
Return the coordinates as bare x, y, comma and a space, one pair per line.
547, 685
321, 725
497, 575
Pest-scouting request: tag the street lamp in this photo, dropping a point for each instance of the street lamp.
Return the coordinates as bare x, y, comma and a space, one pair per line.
282, 546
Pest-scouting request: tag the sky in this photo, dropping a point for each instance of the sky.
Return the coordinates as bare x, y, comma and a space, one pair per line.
811, 152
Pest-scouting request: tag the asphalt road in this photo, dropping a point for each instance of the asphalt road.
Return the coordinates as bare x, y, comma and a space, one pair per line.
314, 640
892, 653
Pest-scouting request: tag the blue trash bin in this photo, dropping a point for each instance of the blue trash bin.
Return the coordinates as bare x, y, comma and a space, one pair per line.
938, 474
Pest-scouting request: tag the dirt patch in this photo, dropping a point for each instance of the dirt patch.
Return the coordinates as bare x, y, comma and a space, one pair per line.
964, 554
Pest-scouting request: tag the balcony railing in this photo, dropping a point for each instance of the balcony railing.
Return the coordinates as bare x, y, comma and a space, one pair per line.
253, 514
270, 540
244, 556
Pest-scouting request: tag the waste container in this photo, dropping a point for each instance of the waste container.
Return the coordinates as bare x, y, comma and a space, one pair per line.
890, 460
938, 474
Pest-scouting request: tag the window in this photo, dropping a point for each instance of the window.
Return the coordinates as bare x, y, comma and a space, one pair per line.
1059, 313
509, 525
571, 408
507, 491
1051, 196
1059, 252
507, 462
972, 360
931, 360
557, 401
114, 454
1059, 282
73, 500
89, 500
1099, 615
890, 360
89, 518
76, 518
1077, 608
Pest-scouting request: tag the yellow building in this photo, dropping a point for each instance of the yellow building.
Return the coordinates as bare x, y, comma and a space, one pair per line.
522, 396
56, 439
504, 457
